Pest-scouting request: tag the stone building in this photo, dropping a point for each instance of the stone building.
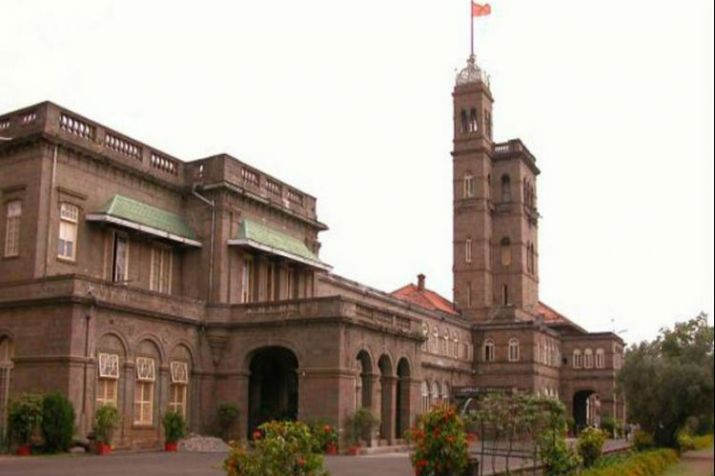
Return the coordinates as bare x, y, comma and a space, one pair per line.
133, 278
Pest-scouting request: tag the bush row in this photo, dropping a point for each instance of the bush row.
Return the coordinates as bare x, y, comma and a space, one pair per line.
647, 463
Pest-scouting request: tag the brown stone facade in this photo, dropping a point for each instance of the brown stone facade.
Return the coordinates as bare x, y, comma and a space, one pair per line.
130, 277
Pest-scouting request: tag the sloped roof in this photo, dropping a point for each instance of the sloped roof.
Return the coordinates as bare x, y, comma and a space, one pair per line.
552, 317
134, 214
424, 298
257, 235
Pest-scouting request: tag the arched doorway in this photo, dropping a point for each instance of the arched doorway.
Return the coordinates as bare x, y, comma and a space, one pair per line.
363, 387
273, 387
402, 410
6, 355
386, 389
586, 409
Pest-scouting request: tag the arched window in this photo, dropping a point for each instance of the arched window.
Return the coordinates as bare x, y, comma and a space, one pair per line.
600, 359
469, 295
455, 344
469, 186
505, 188
468, 250
505, 251
473, 123
434, 345
444, 342
445, 392
425, 334
434, 397
464, 122
6, 364
488, 350
425, 396
513, 350
577, 359
588, 359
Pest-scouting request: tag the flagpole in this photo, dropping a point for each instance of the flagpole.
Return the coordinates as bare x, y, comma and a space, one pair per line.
471, 29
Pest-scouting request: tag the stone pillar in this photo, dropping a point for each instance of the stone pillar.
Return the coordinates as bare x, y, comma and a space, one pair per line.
162, 389
127, 405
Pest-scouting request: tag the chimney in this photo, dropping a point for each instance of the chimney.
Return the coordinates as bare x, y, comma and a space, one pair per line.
421, 282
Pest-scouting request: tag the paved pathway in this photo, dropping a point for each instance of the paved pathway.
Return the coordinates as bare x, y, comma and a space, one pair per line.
694, 463
193, 464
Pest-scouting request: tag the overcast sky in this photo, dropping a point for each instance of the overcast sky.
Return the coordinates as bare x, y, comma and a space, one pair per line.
350, 101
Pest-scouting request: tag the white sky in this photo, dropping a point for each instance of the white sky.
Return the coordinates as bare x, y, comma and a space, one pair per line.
350, 101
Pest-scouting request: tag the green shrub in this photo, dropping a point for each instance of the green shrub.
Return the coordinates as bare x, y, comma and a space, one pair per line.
57, 422
440, 442
590, 445
226, 418
280, 448
685, 440
556, 455
360, 426
608, 424
106, 420
24, 417
647, 463
642, 440
174, 426
703, 442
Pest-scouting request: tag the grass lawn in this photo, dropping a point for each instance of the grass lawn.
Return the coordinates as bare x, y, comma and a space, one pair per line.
694, 463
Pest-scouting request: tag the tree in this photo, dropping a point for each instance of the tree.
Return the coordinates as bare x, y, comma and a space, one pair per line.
669, 380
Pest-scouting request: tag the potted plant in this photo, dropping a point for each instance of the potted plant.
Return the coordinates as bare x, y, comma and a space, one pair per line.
106, 420
360, 427
24, 416
329, 438
174, 429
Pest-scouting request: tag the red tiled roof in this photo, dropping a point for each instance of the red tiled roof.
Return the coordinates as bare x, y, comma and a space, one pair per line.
550, 314
424, 298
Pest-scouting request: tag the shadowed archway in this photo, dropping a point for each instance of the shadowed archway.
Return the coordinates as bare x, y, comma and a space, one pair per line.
273, 387
402, 409
363, 389
585, 408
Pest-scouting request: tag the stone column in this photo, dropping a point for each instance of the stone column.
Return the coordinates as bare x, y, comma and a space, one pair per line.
162, 397
127, 404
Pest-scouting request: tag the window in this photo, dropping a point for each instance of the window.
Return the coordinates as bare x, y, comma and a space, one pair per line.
577, 359
6, 364
179, 385
473, 122
434, 345
161, 264
12, 228
468, 250
455, 344
425, 334
67, 242
445, 392
425, 396
505, 188
513, 350
435, 393
469, 295
120, 258
505, 251
144, 391
588, 359
108, 379
465, 122
469, 188
600, 359
505, 295
488, 350
247, 280
444, 342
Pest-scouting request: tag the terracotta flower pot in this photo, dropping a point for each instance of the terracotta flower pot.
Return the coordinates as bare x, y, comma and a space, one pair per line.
171, 446
102, 449
354, 451
331, 449
24, 450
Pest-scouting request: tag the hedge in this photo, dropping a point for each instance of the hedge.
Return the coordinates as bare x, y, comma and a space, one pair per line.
647, 463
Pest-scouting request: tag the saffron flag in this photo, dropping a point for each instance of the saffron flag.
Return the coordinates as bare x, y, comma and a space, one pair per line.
481, 10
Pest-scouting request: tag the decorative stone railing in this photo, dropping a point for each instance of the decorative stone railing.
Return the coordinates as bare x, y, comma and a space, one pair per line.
514, 146
54, 121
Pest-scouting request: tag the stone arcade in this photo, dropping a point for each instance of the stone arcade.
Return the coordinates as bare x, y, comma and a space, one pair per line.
130, 277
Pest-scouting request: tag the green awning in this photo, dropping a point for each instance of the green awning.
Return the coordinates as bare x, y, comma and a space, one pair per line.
261, 237
130, 213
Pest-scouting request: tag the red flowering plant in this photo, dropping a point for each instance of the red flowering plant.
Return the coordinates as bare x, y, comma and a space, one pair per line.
440, 443
326, 436
280, 448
